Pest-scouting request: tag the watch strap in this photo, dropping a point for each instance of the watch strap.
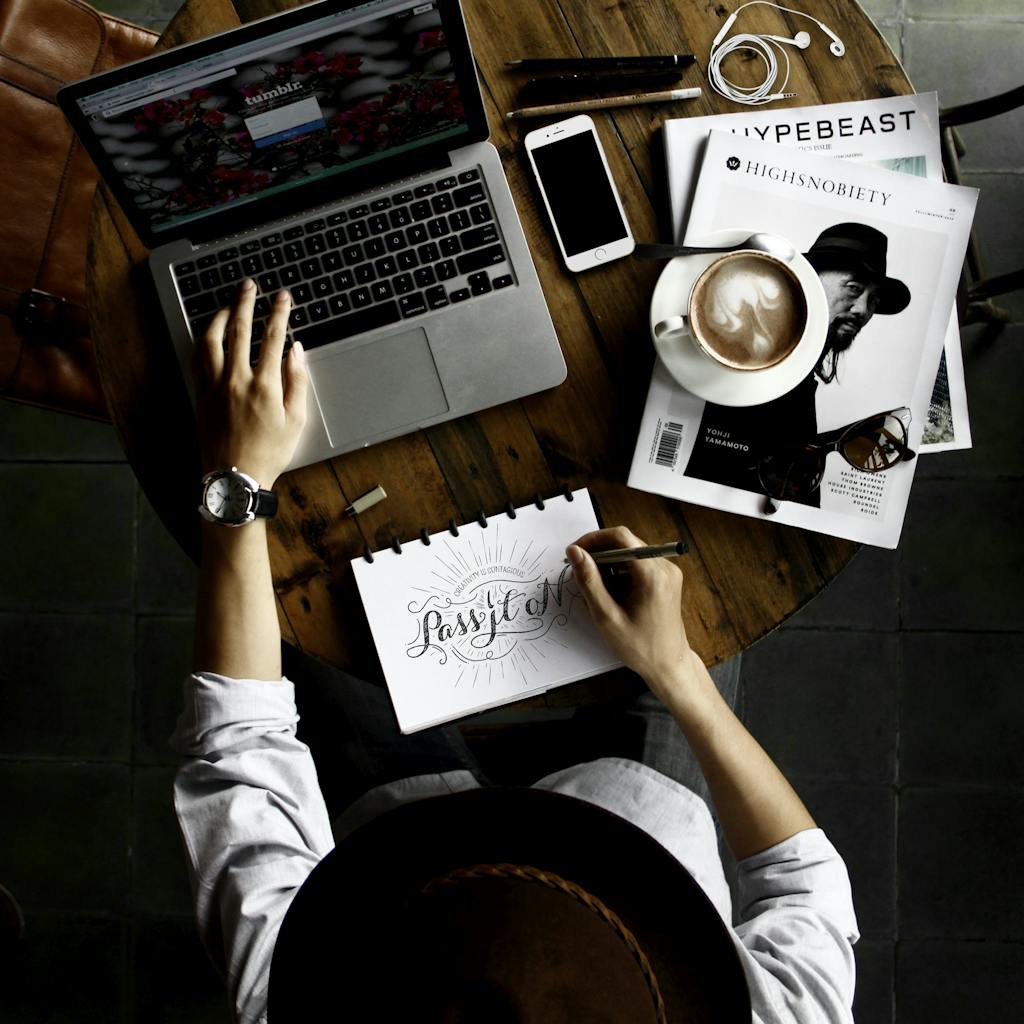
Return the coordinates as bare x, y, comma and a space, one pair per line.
265, 503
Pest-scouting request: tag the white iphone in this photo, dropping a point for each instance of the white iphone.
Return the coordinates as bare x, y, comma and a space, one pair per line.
578, 191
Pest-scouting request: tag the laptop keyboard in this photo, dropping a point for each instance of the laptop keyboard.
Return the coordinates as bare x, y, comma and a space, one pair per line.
372, 264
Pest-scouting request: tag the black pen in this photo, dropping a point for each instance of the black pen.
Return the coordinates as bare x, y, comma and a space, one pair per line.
671, 60
579, 83
679, 547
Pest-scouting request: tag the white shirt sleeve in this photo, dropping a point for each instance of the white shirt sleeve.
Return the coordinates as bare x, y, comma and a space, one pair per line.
796, 932
252, 818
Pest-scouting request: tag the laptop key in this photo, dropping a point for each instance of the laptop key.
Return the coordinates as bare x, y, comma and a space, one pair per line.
503, 282
429, 253
405, 196
251, 265
184, 269
412, 305
365, 273
450, 246
302, 293
480, 214
226, 296
378, 224
417, 234
480, 258
480, 283
210, 260
386, 267
359, 211
315, 225
293, 252
459, 295
450, 182
424, 277
360, 297
335, 219
197, 305
403, 284
437, 227
400, 217
381, 291
310, 268
262, 308
476, 237
445, 270
318, 310
269, 282
437, 297
345, 326
358, 230
343, 280
322, 287
339, 304
442, 203
296, 231
421, 210
394, 241
407, 260
298, 318
459, 220
469, 194
470, 175
380, 204
269, 241
273, 258
331, 261
189, 286
209, 279
228, 254
352, 254
315, 244
425, 189
373, 248
289, 276
335, 238
231, 272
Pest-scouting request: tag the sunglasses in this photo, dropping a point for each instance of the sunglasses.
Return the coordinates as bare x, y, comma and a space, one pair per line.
871, 445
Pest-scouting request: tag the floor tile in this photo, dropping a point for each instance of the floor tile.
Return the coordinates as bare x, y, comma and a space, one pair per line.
66, 686
160, 882
960, 857
823, 704
167, 577
71, 528
165, 656
873, 997
66, 835
68, 970
865, 595
991, 370
965, 982
979, 58
31, 434
961, 709
861, 823
963, 556
175, 980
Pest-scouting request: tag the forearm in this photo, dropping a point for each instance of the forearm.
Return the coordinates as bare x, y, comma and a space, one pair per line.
755, 804
237, 632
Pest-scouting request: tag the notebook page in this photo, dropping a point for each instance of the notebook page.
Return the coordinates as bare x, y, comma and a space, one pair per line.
490, 616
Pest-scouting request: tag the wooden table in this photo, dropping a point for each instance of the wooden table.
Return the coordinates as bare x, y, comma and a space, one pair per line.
744, 576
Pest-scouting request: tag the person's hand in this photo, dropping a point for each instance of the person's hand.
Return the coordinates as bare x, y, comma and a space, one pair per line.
642, 622
249, 417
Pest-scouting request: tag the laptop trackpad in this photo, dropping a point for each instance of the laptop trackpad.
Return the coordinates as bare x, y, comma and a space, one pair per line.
382, 385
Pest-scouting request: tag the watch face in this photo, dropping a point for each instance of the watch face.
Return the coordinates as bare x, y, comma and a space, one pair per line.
227, 498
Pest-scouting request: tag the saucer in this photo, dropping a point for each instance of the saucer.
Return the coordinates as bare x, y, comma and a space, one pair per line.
700, 374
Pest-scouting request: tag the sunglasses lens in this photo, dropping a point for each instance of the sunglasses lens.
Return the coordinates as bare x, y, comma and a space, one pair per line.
875, 444
789, 476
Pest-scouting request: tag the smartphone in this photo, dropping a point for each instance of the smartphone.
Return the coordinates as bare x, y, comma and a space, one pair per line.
578, 192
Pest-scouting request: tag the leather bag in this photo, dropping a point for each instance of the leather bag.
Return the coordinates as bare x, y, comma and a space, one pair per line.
47, 184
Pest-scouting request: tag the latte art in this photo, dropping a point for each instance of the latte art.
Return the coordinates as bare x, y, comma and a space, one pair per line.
748, 311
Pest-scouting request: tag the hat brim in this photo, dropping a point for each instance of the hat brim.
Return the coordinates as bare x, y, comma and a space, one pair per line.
894, 296
341, 916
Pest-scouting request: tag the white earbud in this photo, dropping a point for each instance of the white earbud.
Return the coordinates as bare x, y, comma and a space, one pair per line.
801, 39
836, 46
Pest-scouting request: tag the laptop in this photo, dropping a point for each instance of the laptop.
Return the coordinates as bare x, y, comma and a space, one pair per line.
338, 150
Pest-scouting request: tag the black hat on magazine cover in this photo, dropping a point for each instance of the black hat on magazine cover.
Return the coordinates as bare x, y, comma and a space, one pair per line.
507, 905
865, 248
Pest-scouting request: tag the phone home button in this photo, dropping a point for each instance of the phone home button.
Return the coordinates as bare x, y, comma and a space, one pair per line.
600, 254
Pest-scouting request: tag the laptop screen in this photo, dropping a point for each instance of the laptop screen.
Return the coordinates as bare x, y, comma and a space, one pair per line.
292, 107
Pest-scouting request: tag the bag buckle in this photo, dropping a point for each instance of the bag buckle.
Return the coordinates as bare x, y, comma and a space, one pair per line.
37, 308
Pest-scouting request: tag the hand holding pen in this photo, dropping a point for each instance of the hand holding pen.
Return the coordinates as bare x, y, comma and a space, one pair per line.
642, 624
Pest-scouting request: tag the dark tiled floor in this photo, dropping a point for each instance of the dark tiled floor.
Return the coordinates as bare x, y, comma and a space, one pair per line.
892, 700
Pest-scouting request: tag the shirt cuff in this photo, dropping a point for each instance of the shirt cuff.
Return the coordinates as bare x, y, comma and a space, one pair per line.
221, 713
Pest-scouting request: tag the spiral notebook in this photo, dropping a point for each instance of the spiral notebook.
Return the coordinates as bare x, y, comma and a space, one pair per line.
482, 614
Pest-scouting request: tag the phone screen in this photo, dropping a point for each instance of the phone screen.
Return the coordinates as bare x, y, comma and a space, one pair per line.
579, 193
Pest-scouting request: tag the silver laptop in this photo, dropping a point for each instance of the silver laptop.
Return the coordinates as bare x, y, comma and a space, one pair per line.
338, 150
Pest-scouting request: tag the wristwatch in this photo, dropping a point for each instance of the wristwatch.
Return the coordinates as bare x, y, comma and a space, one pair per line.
233, 498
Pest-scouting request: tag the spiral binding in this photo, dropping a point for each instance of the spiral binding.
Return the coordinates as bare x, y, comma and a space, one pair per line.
509, 510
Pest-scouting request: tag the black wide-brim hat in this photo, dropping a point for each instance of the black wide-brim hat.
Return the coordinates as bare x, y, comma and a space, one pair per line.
504, 905
863, 247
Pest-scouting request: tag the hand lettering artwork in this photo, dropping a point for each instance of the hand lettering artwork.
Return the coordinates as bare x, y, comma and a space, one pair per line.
488, 615
495, 606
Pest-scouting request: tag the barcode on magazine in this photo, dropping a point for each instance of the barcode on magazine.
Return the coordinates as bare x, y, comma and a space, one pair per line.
666, 450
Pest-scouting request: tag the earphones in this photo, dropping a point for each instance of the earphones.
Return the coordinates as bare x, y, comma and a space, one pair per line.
763, 46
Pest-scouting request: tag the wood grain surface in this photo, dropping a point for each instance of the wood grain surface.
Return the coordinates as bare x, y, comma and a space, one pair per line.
744, 576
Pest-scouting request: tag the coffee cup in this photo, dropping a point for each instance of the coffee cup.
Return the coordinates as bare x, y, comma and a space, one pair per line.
746, 311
